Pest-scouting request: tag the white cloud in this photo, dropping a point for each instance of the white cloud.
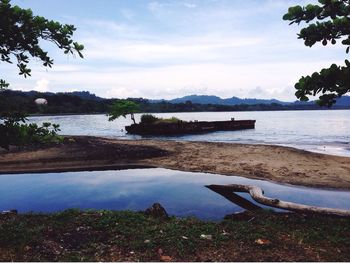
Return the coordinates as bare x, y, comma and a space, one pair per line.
225, 80
122, 92
127, 13
190, 5
97, 28
166, 49
42, 85
64, 68
282, 93
192, 50
161, 8
152, 6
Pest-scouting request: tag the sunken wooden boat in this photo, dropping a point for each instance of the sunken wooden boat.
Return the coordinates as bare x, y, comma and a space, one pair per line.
182, 128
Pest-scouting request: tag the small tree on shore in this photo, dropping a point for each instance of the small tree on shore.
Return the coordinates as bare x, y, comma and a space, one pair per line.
123, 108
332, 24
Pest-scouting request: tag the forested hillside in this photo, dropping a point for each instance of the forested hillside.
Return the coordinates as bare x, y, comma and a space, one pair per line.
87, 103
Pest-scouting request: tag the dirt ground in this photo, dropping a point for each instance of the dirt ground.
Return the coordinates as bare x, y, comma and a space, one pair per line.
268, 162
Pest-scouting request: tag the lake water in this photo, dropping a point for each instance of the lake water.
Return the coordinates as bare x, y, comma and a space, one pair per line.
181, 193
326, 131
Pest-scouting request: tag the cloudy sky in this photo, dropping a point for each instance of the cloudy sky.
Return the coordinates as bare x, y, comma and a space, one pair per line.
172, 48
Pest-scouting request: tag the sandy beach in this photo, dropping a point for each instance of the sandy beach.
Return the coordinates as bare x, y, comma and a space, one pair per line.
267, 162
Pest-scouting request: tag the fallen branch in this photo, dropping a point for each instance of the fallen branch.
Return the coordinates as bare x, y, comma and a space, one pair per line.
235, 198
258, 195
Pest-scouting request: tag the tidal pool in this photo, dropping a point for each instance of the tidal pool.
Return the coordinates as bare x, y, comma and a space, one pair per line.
181, 193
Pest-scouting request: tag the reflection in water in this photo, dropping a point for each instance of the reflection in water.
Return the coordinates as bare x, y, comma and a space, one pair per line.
181, 193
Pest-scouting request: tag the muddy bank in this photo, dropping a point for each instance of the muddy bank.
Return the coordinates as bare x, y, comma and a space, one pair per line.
268, 162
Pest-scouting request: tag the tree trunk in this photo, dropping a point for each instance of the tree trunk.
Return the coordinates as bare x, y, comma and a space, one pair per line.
133, 118
258, 195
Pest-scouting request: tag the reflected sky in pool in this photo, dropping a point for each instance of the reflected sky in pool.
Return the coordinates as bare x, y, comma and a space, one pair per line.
181, 193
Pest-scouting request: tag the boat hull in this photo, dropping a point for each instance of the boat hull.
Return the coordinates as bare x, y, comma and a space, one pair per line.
181, 128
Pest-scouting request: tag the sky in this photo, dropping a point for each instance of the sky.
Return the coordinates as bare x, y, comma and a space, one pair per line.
165, 49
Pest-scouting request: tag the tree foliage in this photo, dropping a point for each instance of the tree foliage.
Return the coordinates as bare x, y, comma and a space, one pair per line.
148, 119
14, 131
123, 108
331, 23
21, 34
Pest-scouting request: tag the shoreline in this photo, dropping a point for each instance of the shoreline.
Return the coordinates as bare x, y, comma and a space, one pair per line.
279, 164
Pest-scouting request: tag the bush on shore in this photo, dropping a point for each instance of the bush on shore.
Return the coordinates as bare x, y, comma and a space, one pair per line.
15, 132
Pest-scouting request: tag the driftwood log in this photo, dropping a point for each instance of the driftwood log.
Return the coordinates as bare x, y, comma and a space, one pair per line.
258, 195
235, 198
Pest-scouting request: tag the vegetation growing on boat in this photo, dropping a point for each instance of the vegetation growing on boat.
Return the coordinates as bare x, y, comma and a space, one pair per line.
148, 119
151, 119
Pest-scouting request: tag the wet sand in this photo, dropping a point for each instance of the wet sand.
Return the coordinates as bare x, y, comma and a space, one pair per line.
267, 162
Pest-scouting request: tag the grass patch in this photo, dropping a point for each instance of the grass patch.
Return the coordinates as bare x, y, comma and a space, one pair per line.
75, 235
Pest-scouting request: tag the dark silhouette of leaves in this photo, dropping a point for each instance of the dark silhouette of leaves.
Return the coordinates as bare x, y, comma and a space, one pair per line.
331, 25
21, 33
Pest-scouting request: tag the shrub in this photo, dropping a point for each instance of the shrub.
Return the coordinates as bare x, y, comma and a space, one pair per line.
151, 119
14, 131
172, 120
148, 119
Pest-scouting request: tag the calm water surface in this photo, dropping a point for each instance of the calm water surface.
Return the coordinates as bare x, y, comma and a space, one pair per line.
320, 131
181, 193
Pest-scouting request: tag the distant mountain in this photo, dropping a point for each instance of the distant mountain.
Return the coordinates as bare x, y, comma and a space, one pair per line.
200, 99
236, 101
343, 101
207, 99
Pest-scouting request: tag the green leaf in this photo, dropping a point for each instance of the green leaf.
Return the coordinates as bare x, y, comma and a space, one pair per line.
331, 21
25, 32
